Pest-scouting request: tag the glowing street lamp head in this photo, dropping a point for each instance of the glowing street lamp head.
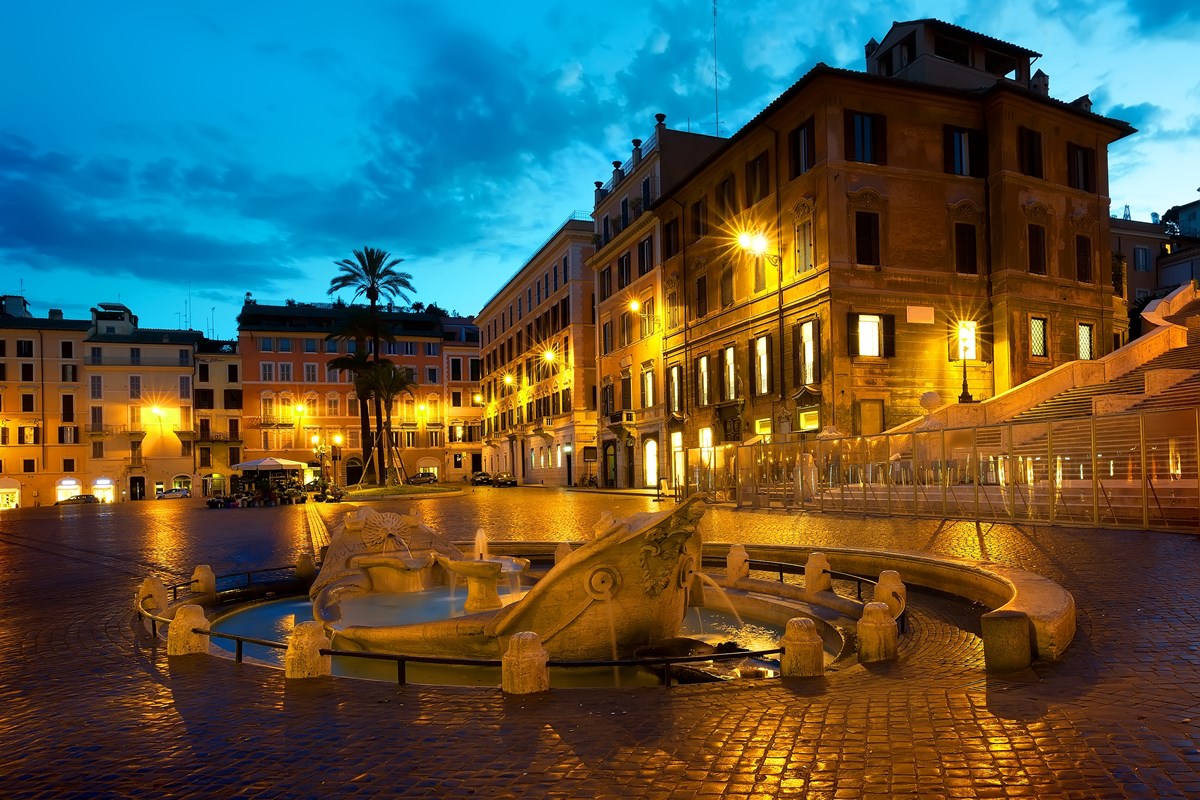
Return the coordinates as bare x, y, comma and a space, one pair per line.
337, 439
966, 340
753, 243
508, 380
478, 398
548, 356
316, 439
156, 411
299, 408
634, 306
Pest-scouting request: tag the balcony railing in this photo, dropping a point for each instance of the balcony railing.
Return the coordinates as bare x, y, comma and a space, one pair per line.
218, 436
140, 361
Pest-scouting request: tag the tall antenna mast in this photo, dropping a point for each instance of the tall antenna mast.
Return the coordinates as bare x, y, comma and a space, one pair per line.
716, 77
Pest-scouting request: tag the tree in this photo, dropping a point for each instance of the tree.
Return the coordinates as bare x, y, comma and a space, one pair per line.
359, 365
387, 383
372, 274
360, 326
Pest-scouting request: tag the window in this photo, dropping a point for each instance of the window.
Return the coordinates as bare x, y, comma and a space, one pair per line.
673, 309
648, 319
1083, 259
97, 387
645, 251
28, 465
761, 353
699, 219
185, 387
332, 405
966, 255
675, 388
310, 373
866, 238
135, 387
1084, 338
27, 373
1037, 337
202, 372
204, 398
456, 399
435, 438
70, 373
27, 403
1029, 152
1037, 249
185, 449
802, 148
68, 434
703, 381
566, 269
266, 344
266, 371
626, 333
431, 375
872, 335
331, 346
205, 456
701, 296
729, 378
671, 238
67, 349
806, 357
964, 152
606, 399
866, 137
647, 388
605, 283
456, 369
726, 287
626, 391
758, 179
24, 348
285, 371
98, 449
606, 337
431, 348
726, 198
624, 271
310, 345
1081, 167
1141, 259
805, 254
68, 408
232, 373
68, 465
284, 345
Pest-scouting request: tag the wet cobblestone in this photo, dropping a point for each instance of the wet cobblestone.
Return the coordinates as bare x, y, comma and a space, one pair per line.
93, 706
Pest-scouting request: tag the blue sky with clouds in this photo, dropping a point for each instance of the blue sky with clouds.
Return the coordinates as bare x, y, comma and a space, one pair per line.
174, 156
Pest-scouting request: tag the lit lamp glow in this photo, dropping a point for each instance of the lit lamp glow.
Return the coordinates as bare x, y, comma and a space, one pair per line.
548, 356
966, 350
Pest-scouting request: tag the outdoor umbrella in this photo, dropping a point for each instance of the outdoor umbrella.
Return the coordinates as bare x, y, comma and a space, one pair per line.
270, 465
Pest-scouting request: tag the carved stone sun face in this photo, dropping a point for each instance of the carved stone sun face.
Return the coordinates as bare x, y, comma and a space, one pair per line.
384, 531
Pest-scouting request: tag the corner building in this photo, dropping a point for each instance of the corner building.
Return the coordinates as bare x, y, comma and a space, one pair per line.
935, 223
539, 364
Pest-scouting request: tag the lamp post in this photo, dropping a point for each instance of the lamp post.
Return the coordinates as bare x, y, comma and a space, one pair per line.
756, 244
336, 453
320, 448
966, 349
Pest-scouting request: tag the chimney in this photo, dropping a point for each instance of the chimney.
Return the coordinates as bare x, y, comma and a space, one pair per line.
56, 313
1040, 83
871, 47
660, 125
618, 173
600, 193
1084, 103
637, 152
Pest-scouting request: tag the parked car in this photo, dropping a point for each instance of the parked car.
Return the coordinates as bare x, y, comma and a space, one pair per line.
78, 499
172, 494
504, 479
480, 479
423, 477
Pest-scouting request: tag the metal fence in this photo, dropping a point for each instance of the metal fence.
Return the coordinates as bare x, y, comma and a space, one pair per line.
1135, 470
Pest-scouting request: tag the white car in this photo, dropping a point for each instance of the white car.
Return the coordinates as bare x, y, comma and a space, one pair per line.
172, 494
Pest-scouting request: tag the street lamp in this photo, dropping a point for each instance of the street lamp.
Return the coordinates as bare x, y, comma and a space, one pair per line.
320, 448
966, 350
337, 456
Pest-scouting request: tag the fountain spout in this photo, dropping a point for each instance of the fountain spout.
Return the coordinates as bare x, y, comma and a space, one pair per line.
481, 545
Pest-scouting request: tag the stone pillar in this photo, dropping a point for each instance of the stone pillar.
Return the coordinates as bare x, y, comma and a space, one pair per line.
151, 597
803, 652
1006, 641
737, 565
303, 658
524, 669
816, 574
562, 551
306, 568
877, 637
181, 638
204, 582
891, 590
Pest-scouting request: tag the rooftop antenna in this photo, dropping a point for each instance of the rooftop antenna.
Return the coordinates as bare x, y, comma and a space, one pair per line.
1126, 212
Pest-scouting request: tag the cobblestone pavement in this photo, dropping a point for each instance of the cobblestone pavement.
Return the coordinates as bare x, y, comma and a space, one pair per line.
94, 708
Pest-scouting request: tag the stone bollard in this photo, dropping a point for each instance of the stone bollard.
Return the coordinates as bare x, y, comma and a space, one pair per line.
1006, 641
891, 590
803, 652
562, 551
877, 638
303, 658
737, 565
181, 637
524, 669
306, 568
204, 582
151, 597
816, 574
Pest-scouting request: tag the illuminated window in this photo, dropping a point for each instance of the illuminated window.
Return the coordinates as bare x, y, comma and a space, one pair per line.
807, 359
762, 365
729, 387
676, 388
1037, 337
703, 383
1084, 337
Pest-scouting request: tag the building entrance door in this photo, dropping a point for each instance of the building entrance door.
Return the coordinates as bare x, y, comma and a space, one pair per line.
137, 487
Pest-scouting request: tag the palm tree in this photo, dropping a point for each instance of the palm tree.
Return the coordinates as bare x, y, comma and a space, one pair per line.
388, 382
359, 365
358, 325
372, 273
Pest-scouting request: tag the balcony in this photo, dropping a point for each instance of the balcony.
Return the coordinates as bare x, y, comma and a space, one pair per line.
272, 422
619, 421
100, 429
141, 361
543, 427
218, 436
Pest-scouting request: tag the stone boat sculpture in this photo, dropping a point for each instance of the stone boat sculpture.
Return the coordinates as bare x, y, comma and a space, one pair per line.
626, 588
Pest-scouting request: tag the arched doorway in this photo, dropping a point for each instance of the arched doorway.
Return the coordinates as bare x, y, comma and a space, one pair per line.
10, 493
610, 463
105, 489
354, 471
66, 487
650, 462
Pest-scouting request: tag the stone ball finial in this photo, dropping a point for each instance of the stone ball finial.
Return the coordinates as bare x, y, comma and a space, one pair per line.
930, 401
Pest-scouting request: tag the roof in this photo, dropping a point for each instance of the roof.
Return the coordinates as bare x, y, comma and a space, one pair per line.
997, 44
149, 336
322, 318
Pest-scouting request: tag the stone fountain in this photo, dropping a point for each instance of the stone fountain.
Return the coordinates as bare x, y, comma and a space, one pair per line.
625, 588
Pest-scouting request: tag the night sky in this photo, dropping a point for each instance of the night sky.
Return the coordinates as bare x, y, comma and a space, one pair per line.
174, 156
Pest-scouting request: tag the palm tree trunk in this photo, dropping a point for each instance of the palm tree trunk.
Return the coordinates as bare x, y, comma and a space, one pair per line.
368, 447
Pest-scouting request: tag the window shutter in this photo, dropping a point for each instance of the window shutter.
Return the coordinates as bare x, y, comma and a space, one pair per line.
816, 335
752, 362
880, 124
797, 366
977, 142
948, 149
852, 333
848, 144
889, 336
62, 434
985, 342
771, 365
719, 373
